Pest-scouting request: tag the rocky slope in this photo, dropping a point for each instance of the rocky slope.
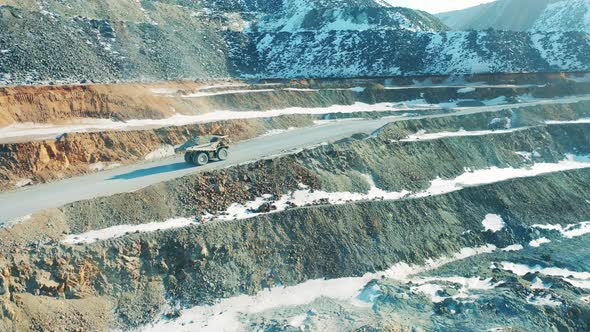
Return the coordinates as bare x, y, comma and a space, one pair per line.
339, 15
523, 15
467, 211
163, 40
145, 277
98, 49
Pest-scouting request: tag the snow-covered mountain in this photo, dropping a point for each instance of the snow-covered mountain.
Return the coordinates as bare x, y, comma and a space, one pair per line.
341, 15
565, 15
332, 39
102, 41
523, 15
402, 52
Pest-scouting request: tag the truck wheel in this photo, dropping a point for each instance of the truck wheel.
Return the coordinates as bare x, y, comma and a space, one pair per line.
222, 153
188, 157
201, 159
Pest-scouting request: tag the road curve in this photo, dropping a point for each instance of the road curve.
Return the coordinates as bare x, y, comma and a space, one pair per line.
22, 202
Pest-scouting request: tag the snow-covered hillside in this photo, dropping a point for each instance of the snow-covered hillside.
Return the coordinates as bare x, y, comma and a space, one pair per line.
402, 52
178, 39
339, 15
523, 15
565, 15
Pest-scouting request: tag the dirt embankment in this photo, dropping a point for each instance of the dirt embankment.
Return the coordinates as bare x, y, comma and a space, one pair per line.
58, 104
68, 103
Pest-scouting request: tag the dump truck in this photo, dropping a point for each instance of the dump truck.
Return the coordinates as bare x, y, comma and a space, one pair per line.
207, 148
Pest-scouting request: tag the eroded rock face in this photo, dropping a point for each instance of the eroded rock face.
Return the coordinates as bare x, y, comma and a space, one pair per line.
63, 104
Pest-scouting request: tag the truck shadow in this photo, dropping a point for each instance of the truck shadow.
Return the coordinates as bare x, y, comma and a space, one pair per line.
152, 171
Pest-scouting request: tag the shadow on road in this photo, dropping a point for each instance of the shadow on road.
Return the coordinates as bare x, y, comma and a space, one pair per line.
152, 171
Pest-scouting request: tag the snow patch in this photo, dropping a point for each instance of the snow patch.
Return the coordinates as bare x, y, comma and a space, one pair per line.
577, 279
273, 132
496, 101
423, 136
539, 242
494, 174
22, 183
301, 89
583, 120
438, 186
493, 223
513, 247
15, 221
466, 90
121, 230
537, 283
306, 196
467, 285
569, 231
505, 122
164, 91
100, 166
543, 300
528, 155
226, 92
298, 321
